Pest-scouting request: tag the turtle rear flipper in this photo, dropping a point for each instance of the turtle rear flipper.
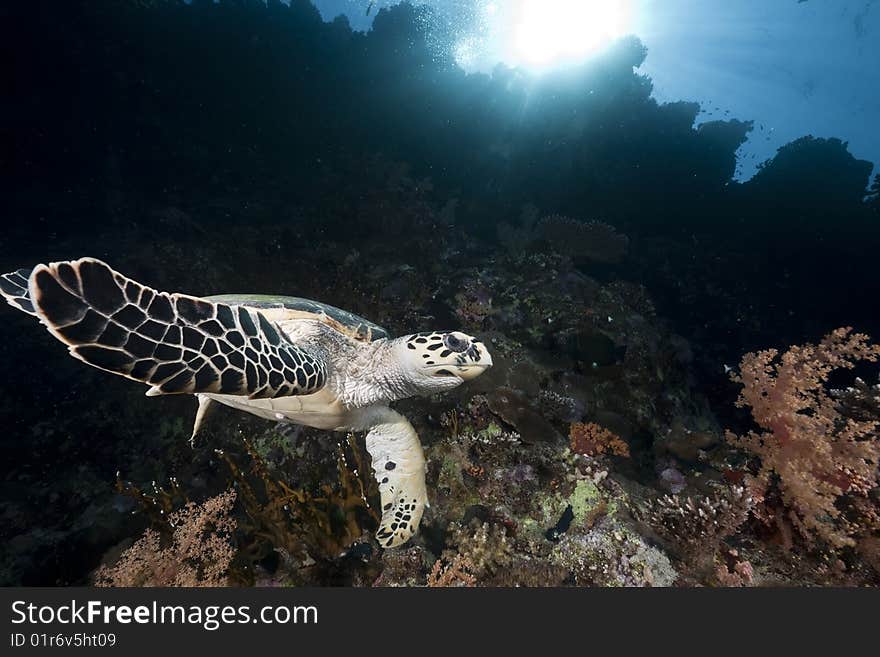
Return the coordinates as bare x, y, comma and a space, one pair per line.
174, 342
14, 288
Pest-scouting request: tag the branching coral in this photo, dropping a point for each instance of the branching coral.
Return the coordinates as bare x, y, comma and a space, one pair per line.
199, 553
591, 439
456, 573
819, 456
697, 525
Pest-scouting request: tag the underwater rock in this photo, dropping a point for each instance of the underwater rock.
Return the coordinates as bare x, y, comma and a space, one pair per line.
686, 444
612, 555
515, 408
591, 347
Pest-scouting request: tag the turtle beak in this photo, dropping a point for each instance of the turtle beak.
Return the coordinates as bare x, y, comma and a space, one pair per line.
471, 370
468, 372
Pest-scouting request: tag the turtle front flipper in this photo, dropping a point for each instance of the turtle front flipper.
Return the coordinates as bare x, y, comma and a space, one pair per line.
174, 342
399, 467
14, 288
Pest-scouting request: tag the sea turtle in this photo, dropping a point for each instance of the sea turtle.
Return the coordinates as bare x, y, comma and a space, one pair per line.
280, 358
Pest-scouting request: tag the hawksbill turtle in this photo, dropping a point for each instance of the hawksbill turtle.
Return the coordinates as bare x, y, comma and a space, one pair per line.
280, 358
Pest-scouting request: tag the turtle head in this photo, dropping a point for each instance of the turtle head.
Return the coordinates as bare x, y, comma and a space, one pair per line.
443, 359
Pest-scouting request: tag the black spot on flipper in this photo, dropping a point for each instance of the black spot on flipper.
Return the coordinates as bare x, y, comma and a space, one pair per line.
283, 391
278, 365
152, 329
140, 347
225, 347
433, 347
225, 317
178, 383
289, 375
146, 297
172, 335
166, 352
56, 303
166, 370
142, 369
192, 339
445, 353
99, 287
87, 330
250, 354
287, 358
410, 345
269, 330
301, 378
212, 327
160, 309
263, 378
220, 362
235, 339
206, 377
231, 382
113, 336
256, 344
195, 363
387, 507
193, 310
247, 324
108, 359
236, 359
390, 465
132, 291
130, 316
275, 379
251, 375
209, 348
264, 362
67, 275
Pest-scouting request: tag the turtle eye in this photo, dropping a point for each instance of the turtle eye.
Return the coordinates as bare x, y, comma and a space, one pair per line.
455, 343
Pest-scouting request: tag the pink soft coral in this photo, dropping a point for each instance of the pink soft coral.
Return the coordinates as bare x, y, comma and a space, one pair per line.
818, 455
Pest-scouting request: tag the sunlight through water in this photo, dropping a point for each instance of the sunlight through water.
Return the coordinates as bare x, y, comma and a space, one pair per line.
550, 32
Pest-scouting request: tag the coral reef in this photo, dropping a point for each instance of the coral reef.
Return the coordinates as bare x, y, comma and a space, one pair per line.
198, 553
591, 454
591, 439
820, 459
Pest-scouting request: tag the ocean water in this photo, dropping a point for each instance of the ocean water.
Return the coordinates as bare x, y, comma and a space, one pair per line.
683, 386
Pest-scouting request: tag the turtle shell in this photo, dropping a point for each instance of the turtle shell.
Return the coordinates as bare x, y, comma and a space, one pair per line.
279, 308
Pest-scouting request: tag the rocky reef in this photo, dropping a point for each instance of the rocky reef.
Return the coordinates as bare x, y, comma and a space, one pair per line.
586, 456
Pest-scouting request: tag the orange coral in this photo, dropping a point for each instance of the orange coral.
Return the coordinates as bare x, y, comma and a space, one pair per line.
455, 574
819, 456
591, 439
199, 554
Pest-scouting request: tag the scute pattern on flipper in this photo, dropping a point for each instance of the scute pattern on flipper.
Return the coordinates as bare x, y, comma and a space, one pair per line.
14, 288
174, 342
